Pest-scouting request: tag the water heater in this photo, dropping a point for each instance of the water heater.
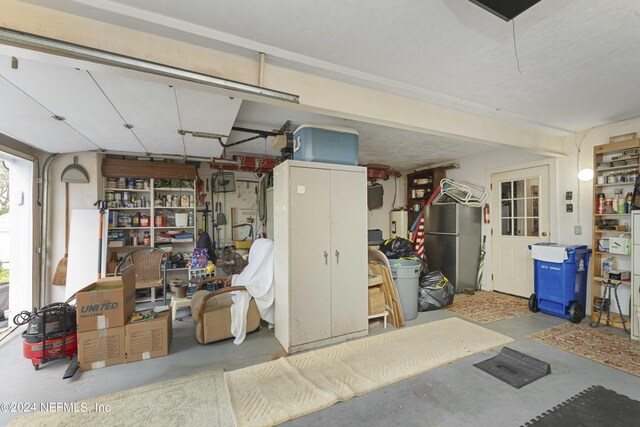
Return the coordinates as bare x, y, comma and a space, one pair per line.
399, 224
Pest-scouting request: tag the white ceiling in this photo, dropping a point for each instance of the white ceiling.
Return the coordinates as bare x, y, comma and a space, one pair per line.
399, 148
578, 57
97, 103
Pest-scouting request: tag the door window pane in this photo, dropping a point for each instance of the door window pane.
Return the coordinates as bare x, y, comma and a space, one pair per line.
505, 189
506, 209
532, 207
532, 187
518, 188
518, 208
518, 227
506, 227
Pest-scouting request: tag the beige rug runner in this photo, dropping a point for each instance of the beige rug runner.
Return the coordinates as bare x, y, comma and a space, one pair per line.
287, 388
198, 400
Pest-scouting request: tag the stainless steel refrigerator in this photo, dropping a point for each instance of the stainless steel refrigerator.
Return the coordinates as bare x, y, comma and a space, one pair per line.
452, 242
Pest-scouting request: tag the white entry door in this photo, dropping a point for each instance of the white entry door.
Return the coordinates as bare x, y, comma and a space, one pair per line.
520, 218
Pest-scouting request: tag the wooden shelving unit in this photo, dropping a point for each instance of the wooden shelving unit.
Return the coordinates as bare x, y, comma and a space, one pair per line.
151, 195
635, 275
424, 181
607, 160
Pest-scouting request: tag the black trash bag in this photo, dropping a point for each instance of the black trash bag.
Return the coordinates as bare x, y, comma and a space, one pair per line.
397, 247
435, 292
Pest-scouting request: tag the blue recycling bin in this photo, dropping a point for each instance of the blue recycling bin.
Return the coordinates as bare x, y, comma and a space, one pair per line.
561, 287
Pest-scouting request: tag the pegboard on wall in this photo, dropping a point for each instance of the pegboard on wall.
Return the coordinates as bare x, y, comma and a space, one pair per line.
243, 216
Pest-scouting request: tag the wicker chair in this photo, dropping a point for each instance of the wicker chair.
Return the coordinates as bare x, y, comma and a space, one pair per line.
150, 269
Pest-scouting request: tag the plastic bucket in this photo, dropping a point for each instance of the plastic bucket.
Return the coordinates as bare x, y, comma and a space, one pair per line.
406, 274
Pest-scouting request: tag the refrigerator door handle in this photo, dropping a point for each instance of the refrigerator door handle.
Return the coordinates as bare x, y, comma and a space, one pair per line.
436, 233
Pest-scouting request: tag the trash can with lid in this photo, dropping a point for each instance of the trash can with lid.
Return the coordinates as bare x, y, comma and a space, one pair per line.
560, 280
406, 275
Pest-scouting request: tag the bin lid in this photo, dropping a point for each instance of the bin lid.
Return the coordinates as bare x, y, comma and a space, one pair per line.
568, 248
325, 127
554, 252
403, 263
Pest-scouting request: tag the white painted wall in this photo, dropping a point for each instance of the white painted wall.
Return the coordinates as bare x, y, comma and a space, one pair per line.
81, 196
477, 170
243, 198
473, 168
379, 218
568, 181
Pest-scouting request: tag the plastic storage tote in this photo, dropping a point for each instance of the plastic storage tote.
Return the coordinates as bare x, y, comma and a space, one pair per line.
561, 287
406, 275
325, 144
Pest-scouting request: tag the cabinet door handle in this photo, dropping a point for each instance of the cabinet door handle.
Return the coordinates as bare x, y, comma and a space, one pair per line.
326, 258
337, 257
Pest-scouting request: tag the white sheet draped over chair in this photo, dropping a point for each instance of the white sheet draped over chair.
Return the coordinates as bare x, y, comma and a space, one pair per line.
257, 277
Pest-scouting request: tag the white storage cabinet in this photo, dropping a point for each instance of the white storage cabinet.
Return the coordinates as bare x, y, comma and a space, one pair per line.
320, 235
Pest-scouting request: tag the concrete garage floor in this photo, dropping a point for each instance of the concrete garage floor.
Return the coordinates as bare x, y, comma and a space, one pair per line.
454, 395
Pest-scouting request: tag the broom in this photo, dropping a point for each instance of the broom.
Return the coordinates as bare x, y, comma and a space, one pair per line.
60, 276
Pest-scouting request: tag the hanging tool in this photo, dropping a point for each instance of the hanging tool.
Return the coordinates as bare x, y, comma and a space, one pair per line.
102, 207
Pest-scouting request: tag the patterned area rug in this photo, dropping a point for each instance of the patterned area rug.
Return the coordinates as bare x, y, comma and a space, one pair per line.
487, 307
594, 344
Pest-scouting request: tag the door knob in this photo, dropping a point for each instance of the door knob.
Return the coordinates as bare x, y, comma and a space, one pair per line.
544, 233
326, 258
337, 256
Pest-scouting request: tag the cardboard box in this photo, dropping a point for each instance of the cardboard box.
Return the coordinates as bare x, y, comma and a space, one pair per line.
619, 245
97, 349
617, 275
149, 338
107, 303
376, 302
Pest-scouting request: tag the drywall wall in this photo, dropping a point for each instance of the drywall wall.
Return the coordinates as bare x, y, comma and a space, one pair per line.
379, 218
81, 196
473, 168
477, 170
583, 208
245, 197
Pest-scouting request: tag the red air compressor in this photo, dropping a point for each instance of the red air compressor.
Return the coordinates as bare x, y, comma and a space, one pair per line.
50, 335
